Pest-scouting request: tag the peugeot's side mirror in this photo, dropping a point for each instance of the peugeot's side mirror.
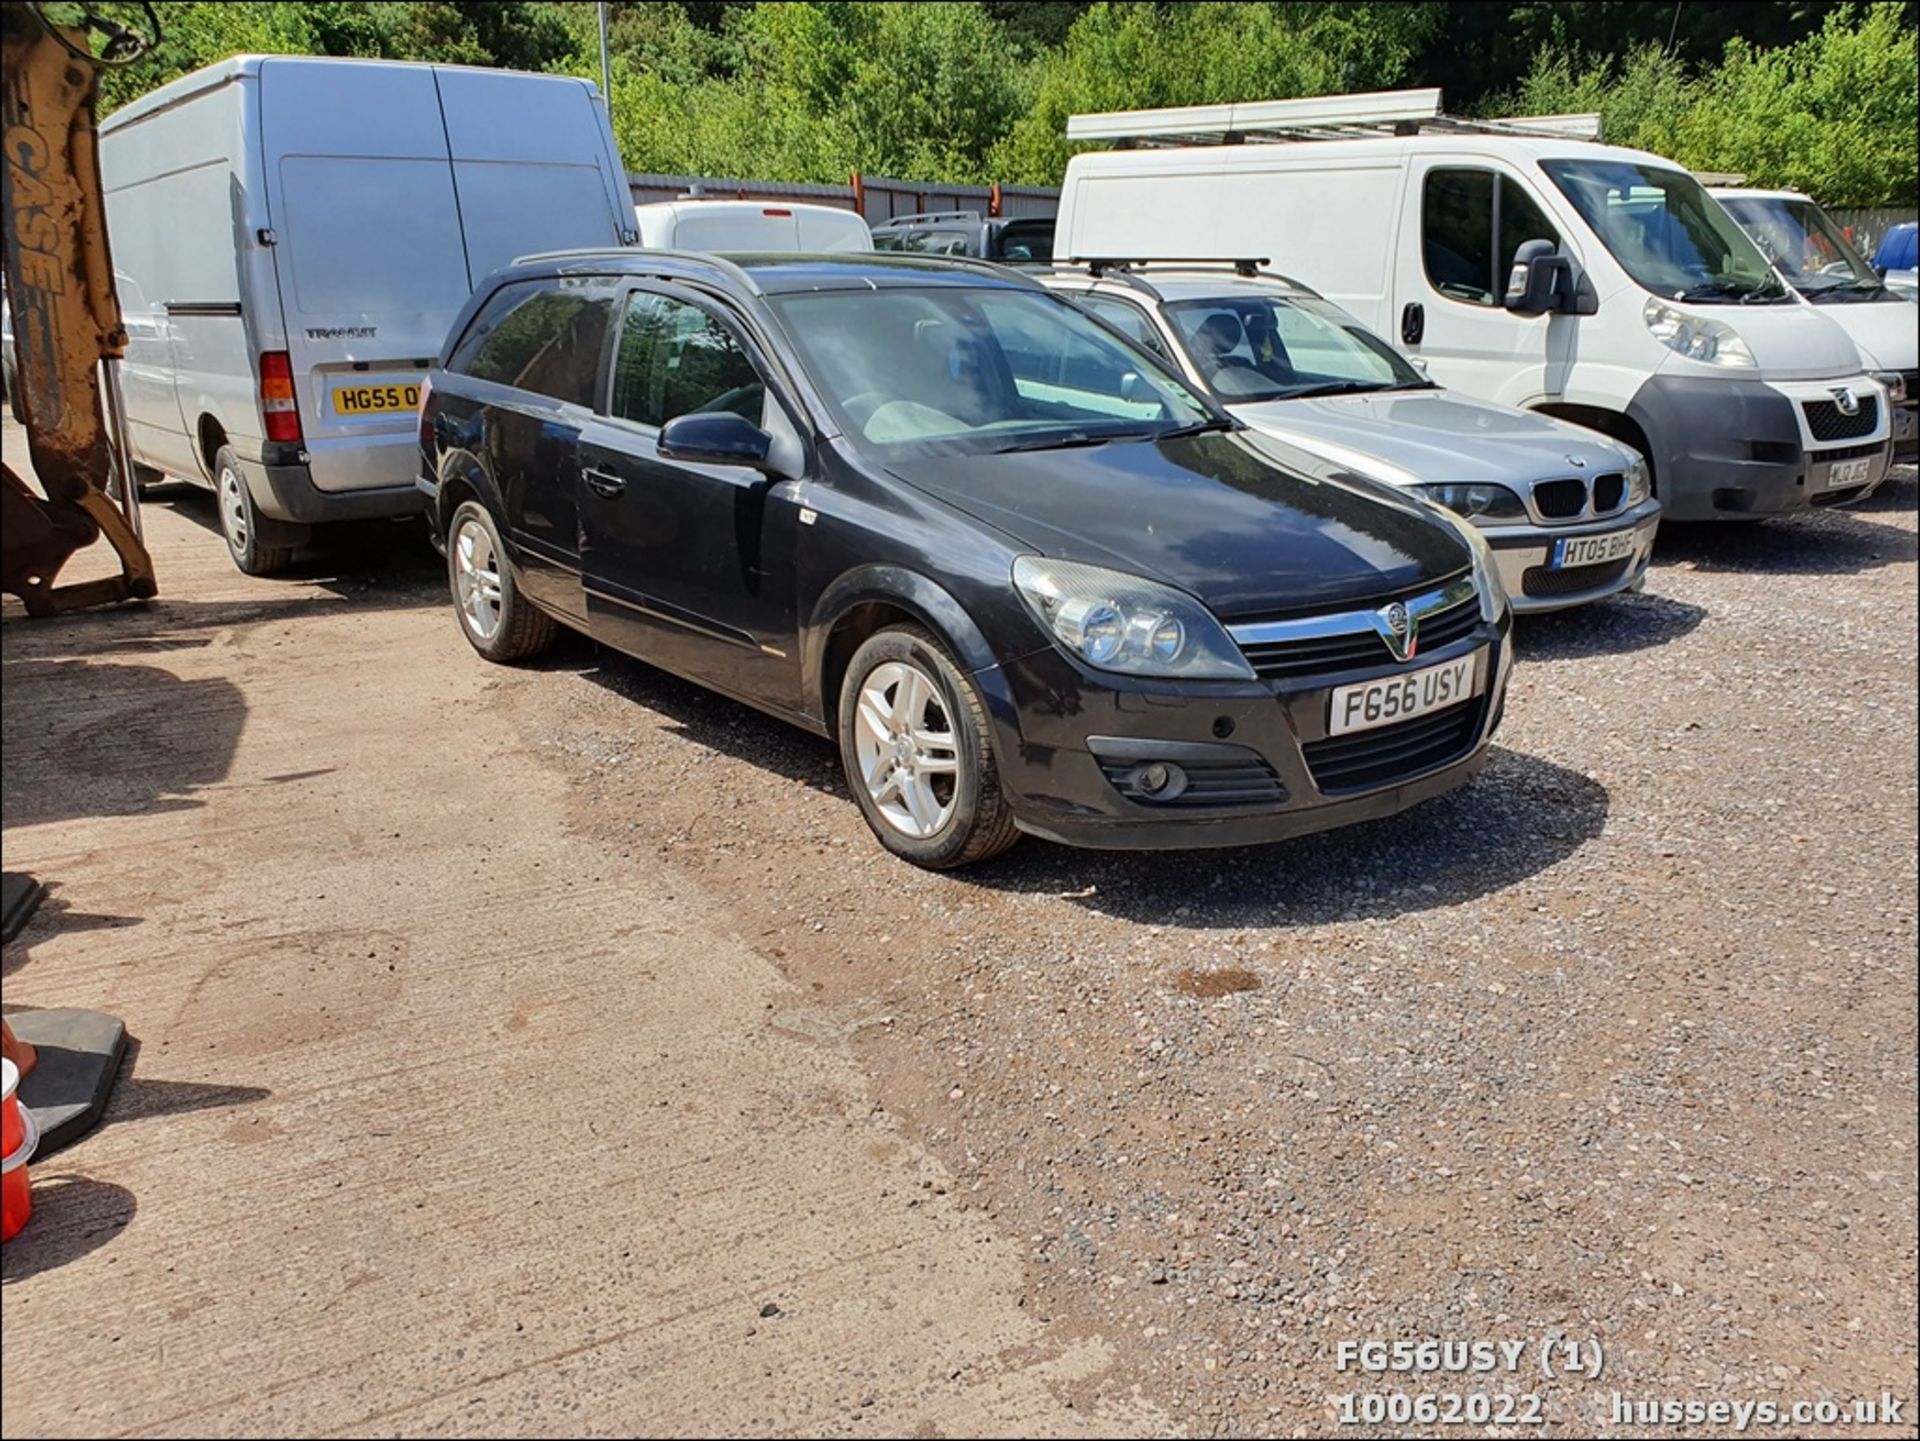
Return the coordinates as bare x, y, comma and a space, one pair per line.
716, 437
1541, 279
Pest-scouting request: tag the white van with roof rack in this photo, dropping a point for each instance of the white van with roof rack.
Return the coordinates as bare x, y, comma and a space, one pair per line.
292, 236
1601, 285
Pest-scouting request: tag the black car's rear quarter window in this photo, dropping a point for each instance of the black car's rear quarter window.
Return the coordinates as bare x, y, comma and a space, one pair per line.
545, 336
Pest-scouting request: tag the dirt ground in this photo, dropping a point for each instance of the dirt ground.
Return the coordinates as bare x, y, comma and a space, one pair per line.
511, 1040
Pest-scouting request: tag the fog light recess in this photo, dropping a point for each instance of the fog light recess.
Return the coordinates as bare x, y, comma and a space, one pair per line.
1158, 780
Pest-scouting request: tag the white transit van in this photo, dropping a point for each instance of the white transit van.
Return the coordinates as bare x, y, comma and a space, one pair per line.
1815, 257
1601, 285
292, 238
749, 225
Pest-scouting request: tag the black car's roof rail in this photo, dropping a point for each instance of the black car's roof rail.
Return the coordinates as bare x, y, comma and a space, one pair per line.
639, 260
999, 269
929, 217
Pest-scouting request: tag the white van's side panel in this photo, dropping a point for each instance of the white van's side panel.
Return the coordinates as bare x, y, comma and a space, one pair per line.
715, 226
180, 213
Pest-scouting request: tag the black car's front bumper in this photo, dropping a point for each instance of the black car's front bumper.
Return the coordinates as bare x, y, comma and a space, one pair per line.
1075, 738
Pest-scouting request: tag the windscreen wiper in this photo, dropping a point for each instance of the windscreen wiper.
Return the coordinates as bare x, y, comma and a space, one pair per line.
1069, 439
1337, 387
1199, 427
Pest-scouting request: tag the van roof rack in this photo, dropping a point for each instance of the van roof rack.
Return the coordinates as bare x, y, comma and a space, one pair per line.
1127, 270
929, 217
1320, 117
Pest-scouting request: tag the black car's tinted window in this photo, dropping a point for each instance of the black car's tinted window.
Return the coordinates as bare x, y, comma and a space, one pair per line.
1457, 232
1026, 241
540, 335
676, 359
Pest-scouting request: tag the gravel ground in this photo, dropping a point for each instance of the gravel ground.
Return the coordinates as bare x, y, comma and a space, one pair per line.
1618, 1044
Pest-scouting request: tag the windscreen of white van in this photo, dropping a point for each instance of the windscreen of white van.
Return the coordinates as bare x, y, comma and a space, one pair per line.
1802, 240
1667, 232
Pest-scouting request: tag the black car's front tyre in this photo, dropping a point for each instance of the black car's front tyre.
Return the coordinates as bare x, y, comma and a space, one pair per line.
917, 754
496, 619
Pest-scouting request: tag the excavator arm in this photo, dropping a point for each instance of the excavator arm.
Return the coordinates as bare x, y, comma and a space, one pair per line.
66, 317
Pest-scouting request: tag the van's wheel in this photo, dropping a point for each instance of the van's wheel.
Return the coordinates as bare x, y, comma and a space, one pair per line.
496, 619
918, 754
239, 524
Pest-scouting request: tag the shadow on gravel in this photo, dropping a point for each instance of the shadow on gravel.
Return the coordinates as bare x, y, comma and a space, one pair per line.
388, 560
1899, 493
1615, 626
1521, 815
1830, 542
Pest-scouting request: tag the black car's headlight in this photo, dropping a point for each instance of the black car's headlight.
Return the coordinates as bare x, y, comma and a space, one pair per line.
1486, 571
1125, 623
1476, 502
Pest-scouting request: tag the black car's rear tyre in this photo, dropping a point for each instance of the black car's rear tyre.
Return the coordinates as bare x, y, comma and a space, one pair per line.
237, 520
496, 619
918, 755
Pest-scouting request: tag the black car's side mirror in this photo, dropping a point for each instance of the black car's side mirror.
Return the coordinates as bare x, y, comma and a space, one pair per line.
1541, 279
716, 437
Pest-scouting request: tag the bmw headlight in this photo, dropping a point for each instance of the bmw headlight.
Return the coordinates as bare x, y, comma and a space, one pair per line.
1125, 623
1476, 502
1639, 482
1696, 336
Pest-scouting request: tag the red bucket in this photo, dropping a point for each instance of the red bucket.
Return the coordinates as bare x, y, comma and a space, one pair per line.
16, 1199
11, 1130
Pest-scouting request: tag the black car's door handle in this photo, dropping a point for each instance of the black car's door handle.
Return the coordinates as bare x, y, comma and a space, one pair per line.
1413, 322
603, 482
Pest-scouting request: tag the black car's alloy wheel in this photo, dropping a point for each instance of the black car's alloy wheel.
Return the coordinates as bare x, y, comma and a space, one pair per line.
918, 758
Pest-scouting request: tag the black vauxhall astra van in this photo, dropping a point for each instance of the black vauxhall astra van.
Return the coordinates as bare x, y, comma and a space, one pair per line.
1024, 576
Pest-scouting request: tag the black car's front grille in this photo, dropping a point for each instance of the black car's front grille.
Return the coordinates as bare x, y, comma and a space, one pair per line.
1560, 499
1233, 780
1828, 422
1351, 650
1539, 583
1394, 753
1609, 492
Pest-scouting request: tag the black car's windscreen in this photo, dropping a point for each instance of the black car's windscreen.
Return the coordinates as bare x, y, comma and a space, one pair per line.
955, 369
1259, 347
1666, 231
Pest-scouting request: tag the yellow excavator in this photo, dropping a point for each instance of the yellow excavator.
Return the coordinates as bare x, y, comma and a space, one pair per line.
65, 315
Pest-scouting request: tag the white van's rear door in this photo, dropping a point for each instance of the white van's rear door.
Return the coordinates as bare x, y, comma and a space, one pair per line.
368, 253
534, 165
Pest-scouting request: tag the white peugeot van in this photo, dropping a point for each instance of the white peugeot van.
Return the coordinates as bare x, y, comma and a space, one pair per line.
292, 238
1601, 285
1815, 257
749, 225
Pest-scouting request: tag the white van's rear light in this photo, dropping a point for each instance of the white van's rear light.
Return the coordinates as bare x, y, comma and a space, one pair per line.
276, 396
784, 213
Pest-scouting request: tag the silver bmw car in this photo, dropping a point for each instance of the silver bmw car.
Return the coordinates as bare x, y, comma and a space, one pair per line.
1569, 512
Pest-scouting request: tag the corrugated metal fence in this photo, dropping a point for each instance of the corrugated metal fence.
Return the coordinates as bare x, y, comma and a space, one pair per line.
1867, 226
876, 198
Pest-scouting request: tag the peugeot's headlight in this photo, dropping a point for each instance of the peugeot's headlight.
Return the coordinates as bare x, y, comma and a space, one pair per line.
1896, 385
1639, 482
1695, 336
1476, 502
1124, 623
